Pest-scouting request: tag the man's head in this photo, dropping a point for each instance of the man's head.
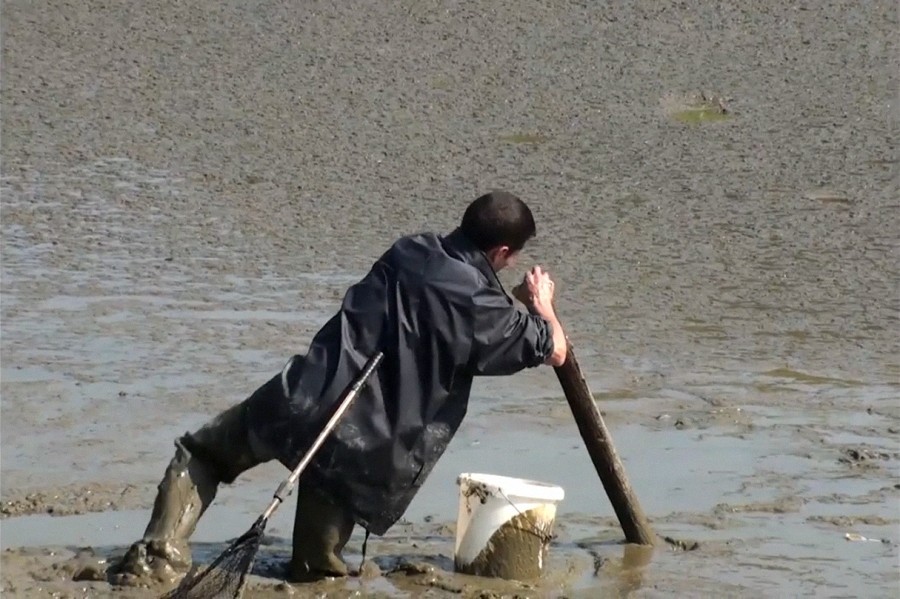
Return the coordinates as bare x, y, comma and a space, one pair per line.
499, 224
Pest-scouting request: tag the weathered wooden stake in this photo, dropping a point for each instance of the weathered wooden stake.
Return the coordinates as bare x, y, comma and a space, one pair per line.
603, 454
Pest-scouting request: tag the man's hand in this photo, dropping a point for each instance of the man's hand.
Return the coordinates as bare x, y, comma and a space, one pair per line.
540, 289
536, 291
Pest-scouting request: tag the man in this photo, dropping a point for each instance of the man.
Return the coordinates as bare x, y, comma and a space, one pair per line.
435, 307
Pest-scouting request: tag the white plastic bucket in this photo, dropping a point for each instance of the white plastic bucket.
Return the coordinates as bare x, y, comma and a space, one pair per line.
499, 517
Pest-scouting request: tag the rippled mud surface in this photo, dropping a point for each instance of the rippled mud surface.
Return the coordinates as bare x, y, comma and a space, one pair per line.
187, 189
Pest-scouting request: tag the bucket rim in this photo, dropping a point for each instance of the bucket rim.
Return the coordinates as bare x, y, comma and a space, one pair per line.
520, 488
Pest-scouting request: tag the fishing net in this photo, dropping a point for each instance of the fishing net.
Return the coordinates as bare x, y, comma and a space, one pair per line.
226, 576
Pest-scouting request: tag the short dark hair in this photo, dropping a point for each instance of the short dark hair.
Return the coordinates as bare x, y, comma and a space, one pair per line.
498, 218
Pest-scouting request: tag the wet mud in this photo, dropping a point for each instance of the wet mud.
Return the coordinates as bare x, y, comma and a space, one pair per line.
72, 499
516, 551
187, 189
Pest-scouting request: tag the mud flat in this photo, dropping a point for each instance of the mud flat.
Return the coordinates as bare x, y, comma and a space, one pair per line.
187, 189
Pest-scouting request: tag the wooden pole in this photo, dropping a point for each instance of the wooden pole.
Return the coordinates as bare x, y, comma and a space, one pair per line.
600, 447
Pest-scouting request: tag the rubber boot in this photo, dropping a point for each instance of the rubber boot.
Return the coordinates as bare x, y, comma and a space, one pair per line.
186, 490
321, 530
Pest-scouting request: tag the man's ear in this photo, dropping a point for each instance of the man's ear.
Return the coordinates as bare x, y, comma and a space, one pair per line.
501, 252
500, 257
495, 256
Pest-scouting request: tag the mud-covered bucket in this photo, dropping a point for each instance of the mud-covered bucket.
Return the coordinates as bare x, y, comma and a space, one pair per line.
504, 526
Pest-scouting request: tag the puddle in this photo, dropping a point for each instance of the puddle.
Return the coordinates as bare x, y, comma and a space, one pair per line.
807, 378
701, 114
698, 108
672, 472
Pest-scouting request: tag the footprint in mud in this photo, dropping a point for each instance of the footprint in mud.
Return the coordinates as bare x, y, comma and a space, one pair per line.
85, 565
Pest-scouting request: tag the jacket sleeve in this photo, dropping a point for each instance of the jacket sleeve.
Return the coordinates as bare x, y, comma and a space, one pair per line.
506, 339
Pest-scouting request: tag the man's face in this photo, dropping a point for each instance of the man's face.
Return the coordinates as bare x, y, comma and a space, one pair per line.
501, 257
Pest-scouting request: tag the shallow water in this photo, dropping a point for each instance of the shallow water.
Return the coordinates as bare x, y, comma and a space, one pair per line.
187, 191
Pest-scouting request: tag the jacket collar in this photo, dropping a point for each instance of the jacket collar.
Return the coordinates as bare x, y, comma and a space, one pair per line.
457, 245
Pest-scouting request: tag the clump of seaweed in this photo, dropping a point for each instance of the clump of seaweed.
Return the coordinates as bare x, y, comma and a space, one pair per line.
700, 108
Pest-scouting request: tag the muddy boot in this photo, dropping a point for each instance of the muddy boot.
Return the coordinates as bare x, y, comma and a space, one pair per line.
163, 555
321, 530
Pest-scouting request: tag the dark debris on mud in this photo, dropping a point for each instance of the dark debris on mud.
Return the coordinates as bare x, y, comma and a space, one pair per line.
682, 545
863, 457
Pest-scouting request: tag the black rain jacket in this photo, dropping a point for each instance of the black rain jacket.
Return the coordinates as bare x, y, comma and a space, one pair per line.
434, 306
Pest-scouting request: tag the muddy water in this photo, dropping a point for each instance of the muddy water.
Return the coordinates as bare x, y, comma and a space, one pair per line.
188, 188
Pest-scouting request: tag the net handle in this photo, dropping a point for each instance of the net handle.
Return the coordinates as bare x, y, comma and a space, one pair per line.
287, 485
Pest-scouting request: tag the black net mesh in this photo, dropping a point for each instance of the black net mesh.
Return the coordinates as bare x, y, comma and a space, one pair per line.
224, 577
